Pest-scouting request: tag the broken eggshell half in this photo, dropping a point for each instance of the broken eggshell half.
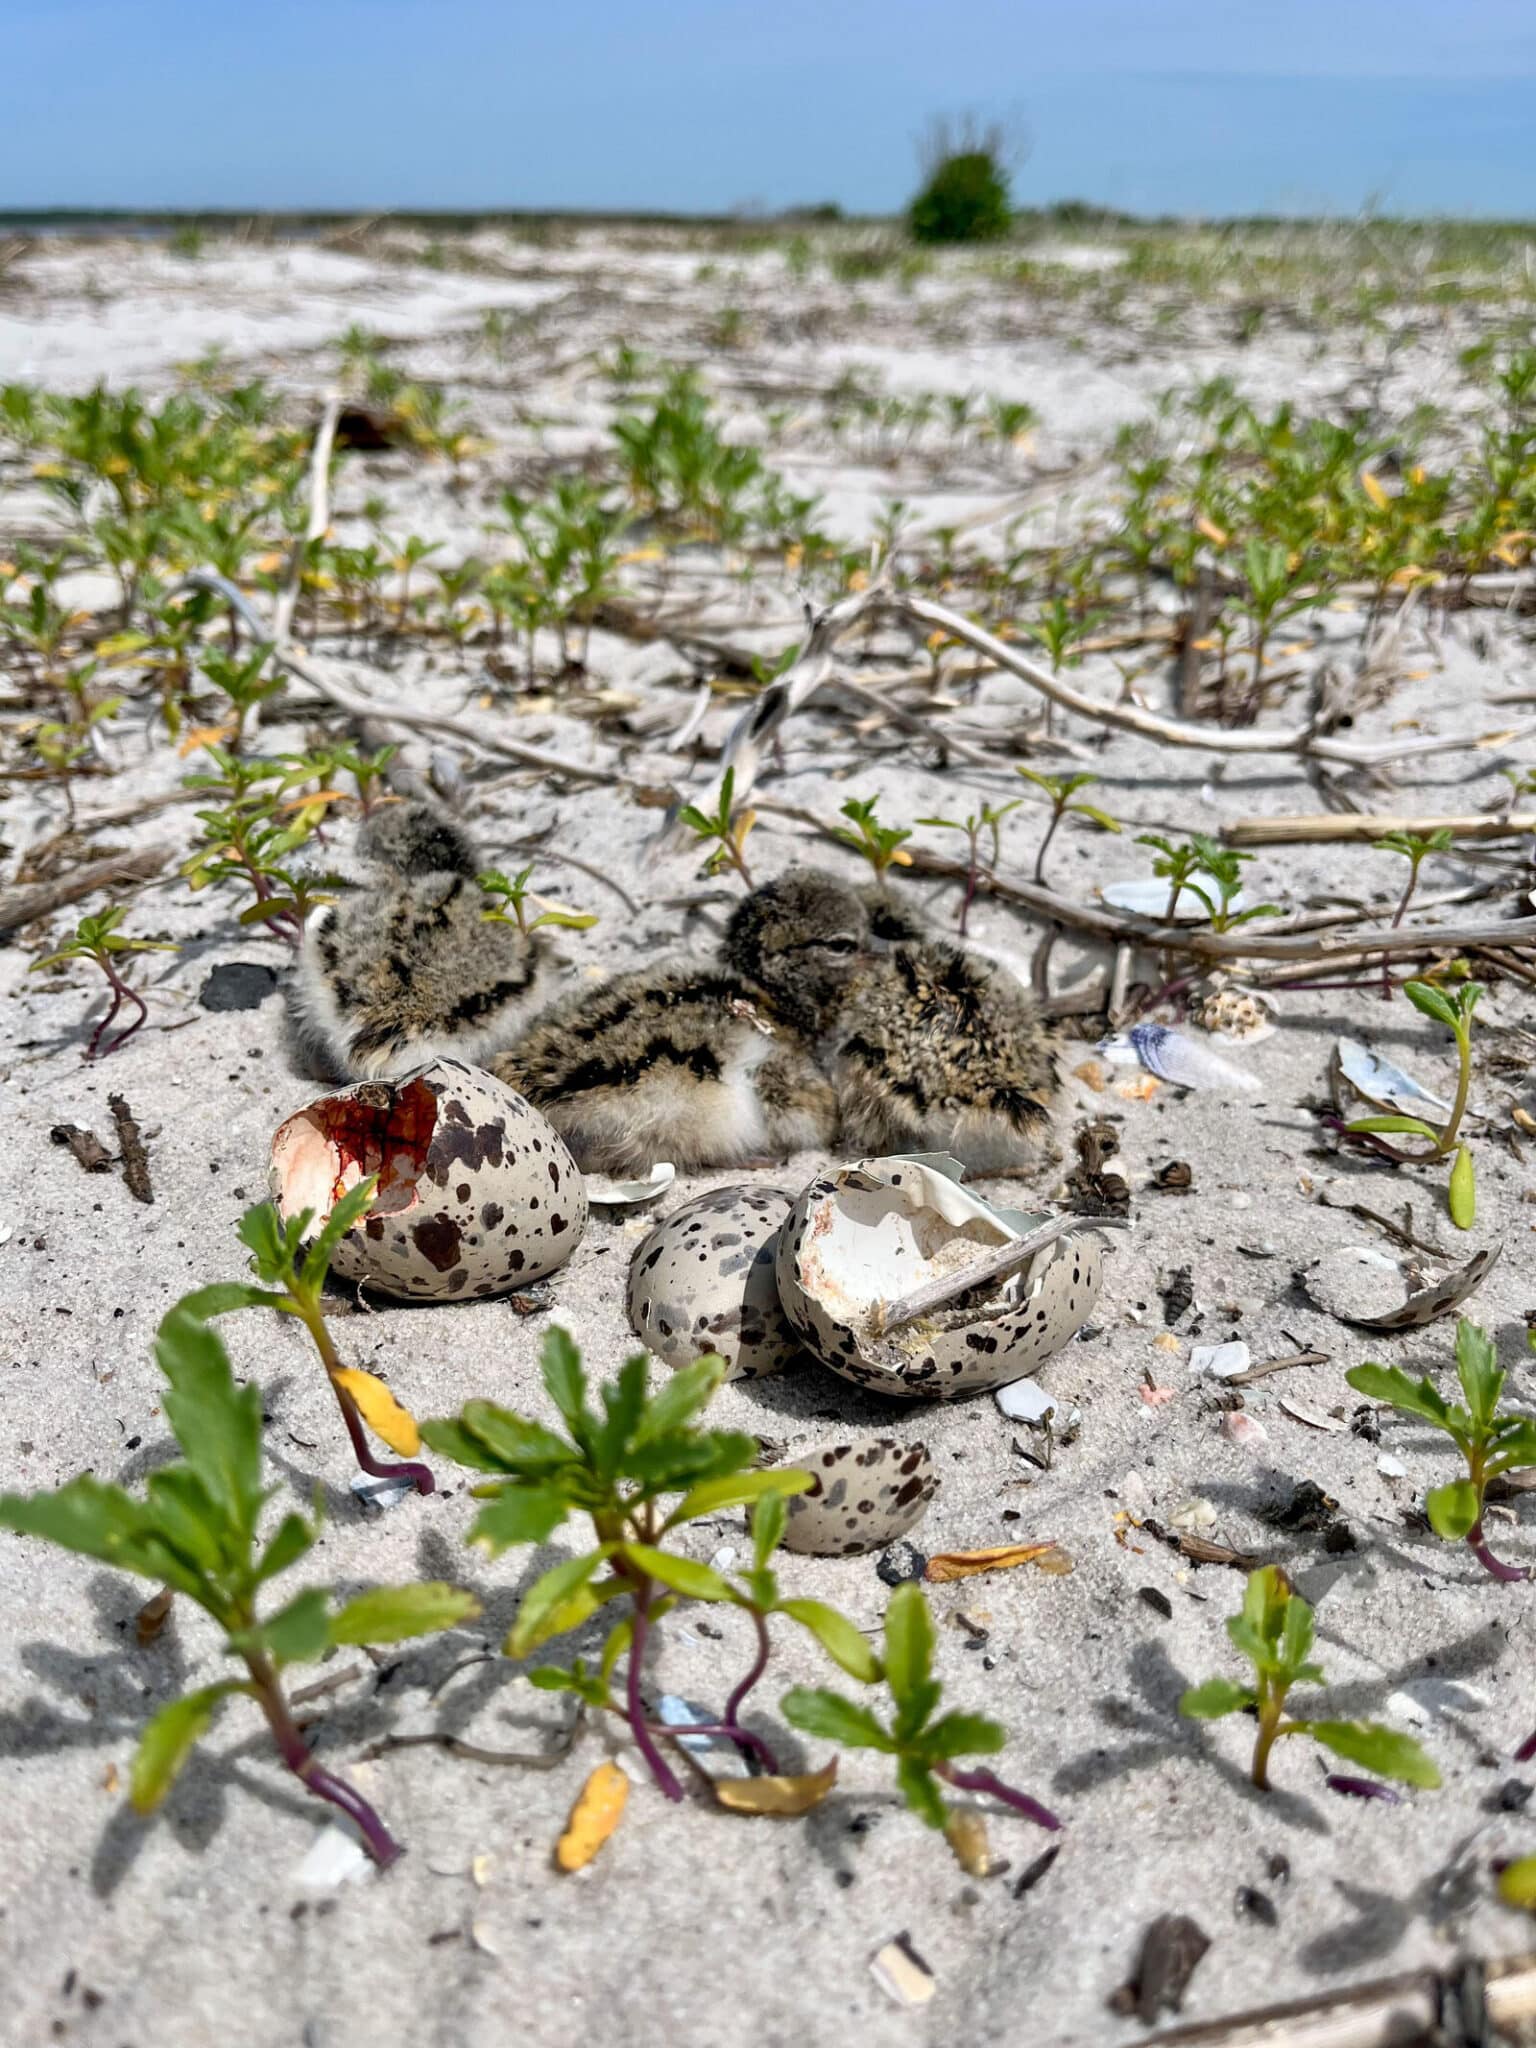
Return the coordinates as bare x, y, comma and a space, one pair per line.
864, 1237
862, 1497
703, 1280
476, 1194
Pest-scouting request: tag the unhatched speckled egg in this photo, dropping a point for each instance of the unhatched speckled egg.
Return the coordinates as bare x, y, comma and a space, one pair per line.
865, 1495
477, 1193
703, 1280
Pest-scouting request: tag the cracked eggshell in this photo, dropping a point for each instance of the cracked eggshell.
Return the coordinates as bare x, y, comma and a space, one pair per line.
865, 1236
863, 1497
703, 1280
477, 1193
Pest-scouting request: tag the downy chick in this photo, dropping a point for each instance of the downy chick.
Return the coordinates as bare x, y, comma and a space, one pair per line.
938, 1050
408, 967
704, 1065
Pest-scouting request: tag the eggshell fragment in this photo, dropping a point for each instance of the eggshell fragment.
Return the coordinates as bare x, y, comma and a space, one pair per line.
864, 1237
863, 1496
476, 1193
703, 1280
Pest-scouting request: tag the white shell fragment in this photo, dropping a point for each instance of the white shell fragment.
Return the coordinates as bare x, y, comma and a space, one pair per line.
703, 1280
1173, 1057
1026, 1401
1244, 1015
1387, 1086
865, 1237
476, 1194
1147, 896
603, 1192
1361, 1285
1219, 1361
863, 1497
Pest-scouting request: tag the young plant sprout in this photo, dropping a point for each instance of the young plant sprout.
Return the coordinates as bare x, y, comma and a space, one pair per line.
1490, 1443
726, 832
881, 845
1452, 1008
515, 896
1061, 790
641, 1468
1415, 850
1274, 1632
925, 1747
990, 819
196, 1532
98, 939
294, 1286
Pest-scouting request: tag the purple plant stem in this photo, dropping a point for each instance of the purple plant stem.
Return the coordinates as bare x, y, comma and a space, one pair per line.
731, 1730
988, 1781
733, 1705
634, 1706
420, 1476
1477, 1543
128, 1030
1362, 1788
294, 1751
1527, 1749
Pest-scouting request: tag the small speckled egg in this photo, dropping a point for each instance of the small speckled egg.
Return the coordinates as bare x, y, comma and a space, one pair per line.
477, 1193
866, 1236
865, 1495
703, 1280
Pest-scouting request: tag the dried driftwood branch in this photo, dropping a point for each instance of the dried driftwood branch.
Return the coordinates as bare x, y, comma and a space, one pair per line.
1463, 2007
19, 907
1365, 826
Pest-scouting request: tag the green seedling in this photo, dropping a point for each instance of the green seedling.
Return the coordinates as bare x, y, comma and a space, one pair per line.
1209, 870
1415, 850
242, 682
98, 940
990, 820
1061, 791
881, 845
722, 829
1453, 1008
513, 896
924, 1742
293, 1284
1274, 1632
1490, 1443
641, 1468
196, 1532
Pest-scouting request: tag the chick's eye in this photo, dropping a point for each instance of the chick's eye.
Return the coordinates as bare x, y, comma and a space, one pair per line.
840, 948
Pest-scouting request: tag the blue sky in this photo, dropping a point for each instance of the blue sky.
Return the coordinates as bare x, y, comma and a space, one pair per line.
1186, 106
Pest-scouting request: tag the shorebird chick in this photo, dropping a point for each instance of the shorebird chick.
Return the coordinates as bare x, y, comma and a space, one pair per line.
704, 1065
408, 967
937, 1050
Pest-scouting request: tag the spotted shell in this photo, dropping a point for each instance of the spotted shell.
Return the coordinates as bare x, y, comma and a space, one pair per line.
476, 1193
865, 1236
703, 1280
865, 1495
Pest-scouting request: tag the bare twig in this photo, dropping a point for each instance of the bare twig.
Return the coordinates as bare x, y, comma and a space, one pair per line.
1366, 826
20, 907
988, 1271
319, 519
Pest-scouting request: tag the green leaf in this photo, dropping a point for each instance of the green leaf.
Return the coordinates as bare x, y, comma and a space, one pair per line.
831, 1718
1431, 1002
1413, 1126
921, 1791
768, 1519
620, 1636
1216, 1697
518, 1514
217, 1424
564, 1380
623, 1402
540, 1614
296, 1633
169, 1740
352, 1207
1517, 1883
224, 1298
271, 1242
843, 1643
101, 1522
1477, 1367
1100, 818
735, 1490
392, 1613
1378, 1749
187, 1520
963, 1735
1413, 1397
293, 1537
518, 1445
1514, 1444
1295, 1635
688, 1457
686, 1392
550, 1678
450, 1439
1453, 1510
909, 1638
684, 1575
1461, 1196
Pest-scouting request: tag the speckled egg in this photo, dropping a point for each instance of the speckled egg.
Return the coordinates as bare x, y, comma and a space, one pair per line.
864, 1237
865, 1495
477, 1194
703, 1280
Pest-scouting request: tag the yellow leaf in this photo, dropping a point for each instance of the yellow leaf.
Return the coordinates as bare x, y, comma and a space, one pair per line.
380, 1410
965, 1564
1517, 1883
269, 563
784, 1797
197, 736
1374, 490
1211, 530
966, 1833
598, 1810
793, 557
1417, 474
901, 858
859, 580
642, 555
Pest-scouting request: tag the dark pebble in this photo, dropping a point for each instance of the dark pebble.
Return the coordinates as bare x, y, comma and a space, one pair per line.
900, 1564
237, 985
1158, 1602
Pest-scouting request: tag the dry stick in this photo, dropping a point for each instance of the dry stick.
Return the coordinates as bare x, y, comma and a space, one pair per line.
1392, 2012
21, 906
131, 1144
363, 708
1366, 826
319, 519
997, 1265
